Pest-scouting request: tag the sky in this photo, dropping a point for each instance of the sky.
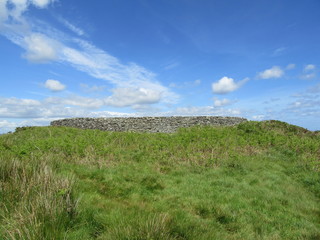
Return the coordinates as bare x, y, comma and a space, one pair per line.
257, 59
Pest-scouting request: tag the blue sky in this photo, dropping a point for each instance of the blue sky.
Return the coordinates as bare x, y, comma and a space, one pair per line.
257, 59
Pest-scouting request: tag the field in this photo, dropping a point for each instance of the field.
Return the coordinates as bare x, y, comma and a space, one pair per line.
256, 180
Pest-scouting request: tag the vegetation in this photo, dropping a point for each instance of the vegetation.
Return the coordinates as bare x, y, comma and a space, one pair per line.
257, 180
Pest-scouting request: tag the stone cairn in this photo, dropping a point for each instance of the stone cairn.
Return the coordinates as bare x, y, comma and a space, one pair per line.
146, 124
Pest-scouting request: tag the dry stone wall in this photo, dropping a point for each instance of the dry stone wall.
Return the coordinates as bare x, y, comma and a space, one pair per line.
146, 124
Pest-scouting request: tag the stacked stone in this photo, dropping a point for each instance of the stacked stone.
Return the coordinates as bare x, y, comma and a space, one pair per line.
146, 124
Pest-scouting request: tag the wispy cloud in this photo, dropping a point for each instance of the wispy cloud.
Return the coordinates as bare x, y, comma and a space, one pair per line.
41, 47
305, 103
279, 51
71, 26
171, 65
186, 84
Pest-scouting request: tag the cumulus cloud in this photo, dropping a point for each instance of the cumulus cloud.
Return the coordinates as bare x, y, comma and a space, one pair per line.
274, 72
54, 85
227, 85
6, 126
123, 97
41, 3
221, 102
52, 107
40, 49
17, 7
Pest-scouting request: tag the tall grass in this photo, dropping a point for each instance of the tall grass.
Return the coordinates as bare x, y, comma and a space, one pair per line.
257, 180
36, 203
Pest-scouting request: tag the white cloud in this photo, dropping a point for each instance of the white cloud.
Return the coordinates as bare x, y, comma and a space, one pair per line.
77, 101
309, 67
274, 72
305, 107
73, 106
46, 44
279, 51
18, 7
71, 27
203, 111
19, 102
3, 11
308, 76
93, 88
314, 89
172, 65
258, 117
123, 97
6, 126
41, 3
54, 85
197, 82
173, 85
101, 65
290, 66
226, 85
309, 72
40, 49
221, 102
29, 112
186, 84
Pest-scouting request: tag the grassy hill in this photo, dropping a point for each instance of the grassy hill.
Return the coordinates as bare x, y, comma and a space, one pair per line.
257, 180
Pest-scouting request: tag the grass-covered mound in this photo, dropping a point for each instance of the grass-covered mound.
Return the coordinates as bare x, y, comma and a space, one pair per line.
257, 180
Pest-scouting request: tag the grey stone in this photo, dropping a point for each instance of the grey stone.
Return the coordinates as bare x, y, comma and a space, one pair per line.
146, 124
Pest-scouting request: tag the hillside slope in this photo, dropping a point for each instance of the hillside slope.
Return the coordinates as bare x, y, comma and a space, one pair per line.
256, 180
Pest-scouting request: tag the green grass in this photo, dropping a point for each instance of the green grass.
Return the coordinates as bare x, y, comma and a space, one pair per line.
257, 180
